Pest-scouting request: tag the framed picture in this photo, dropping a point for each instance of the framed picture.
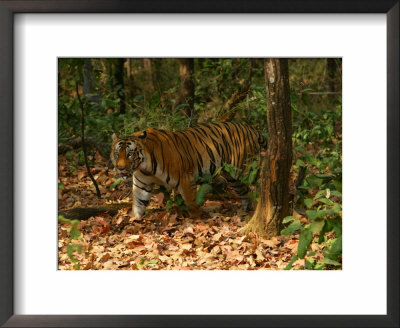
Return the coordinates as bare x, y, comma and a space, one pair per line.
61, 61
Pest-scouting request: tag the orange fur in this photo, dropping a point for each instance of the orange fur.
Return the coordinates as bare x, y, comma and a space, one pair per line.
176, 159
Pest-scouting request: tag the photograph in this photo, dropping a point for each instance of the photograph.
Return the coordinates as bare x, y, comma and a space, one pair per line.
193, 147
199, 163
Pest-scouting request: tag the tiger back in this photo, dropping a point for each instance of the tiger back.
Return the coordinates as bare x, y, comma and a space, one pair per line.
177, 159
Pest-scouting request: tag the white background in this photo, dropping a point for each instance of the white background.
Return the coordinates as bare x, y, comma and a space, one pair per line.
360, 288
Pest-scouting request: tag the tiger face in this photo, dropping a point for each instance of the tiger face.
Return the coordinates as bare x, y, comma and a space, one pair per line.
127, 154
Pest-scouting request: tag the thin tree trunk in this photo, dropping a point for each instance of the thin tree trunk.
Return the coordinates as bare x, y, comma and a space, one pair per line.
129, 80
273, 204
186, 92
156, 73
129, 68
119, 83
331, 70
88, 86
83, 142
148, 77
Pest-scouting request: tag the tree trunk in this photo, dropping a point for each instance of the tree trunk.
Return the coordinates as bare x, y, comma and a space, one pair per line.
84, 213
148, 78
119, 83
186, 93
273, 204
156, 73
331, 70
129, 85
88, 86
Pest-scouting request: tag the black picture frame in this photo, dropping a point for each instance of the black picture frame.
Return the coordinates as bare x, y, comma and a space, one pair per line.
7, 11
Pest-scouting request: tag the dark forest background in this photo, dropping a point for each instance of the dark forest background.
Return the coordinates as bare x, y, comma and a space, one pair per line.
125, 95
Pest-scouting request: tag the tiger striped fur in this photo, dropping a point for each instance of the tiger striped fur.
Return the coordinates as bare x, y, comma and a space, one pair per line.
177, 159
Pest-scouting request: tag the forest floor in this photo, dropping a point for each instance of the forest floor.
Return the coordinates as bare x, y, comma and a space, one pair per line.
162, 240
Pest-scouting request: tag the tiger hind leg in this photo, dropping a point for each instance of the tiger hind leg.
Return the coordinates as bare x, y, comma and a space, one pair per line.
242, 190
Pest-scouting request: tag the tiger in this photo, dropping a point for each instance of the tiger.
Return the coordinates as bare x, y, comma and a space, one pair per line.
178, 159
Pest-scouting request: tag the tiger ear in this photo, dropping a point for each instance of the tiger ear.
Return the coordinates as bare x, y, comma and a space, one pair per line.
143, 135
114, 137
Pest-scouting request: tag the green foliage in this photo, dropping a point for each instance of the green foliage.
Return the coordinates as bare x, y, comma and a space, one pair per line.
176, 200
246, 175
171, 199
202, 192
215, 81
74, 234
115, 184
326, 218
292, 260
292, 228
145, 263
318, 148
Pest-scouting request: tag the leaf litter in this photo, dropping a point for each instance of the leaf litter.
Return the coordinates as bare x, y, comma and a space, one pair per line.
162, 240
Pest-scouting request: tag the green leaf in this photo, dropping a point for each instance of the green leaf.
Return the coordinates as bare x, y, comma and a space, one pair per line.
329, 261
168, 205
319, 194
252, 176
335, 250
337, 208
300, 149
337, 184
74, 231
324, 176
325, 229
141, 263
201, 193
311, 214
308, 202
152, 262
312, 160
205, 178
336, 193
309, 265
314, 181
292, 260
115, 183
288, 219
295, 225
62, 219
217, 172
335, 225
179, 200
321, 214
304, 243
61, 186
326, 201
317, 226
300, 163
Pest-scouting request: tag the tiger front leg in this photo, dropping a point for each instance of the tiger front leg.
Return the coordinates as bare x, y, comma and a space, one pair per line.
141, 194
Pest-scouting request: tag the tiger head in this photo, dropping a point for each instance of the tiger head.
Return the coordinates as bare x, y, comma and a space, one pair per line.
127, 153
